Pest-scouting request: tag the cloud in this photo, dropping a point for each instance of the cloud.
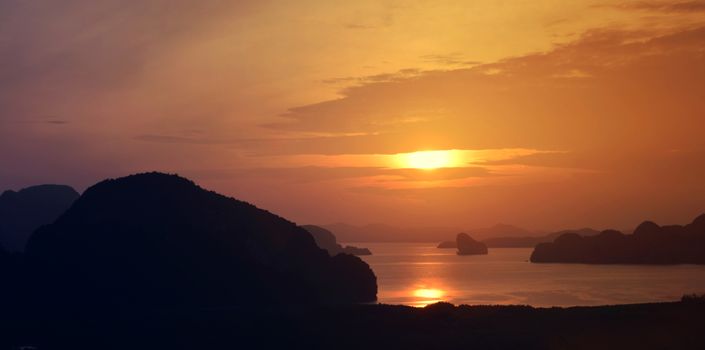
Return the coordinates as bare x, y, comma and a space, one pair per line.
358, 26
399, 75
39, 121
174, 139
57, 122
94, 89
450, 59
625, 105
664, 6
596, 87
308, 174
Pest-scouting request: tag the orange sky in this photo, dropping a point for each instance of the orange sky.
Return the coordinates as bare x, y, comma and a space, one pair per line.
555, 114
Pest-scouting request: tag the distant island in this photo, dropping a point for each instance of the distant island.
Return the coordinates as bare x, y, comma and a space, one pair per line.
649, 244
23, 211
496, 236
388, 233
468, 246
326, 240
532, 241
465, 244
521, 241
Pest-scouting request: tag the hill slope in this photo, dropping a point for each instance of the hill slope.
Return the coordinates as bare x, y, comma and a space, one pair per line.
159, 240
24, 211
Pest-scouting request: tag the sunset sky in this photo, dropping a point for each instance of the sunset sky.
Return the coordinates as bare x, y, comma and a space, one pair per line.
543, 114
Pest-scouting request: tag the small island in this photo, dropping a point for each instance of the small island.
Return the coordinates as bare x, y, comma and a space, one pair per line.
468, 246
447, 245
325, 239
649, 244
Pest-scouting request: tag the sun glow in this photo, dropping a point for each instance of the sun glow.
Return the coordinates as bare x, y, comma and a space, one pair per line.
428, 159
428, 293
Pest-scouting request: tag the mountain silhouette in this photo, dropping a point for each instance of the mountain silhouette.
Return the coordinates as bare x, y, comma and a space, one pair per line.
521, 241
532, 241
388, 233
24, 211
157, 240
326, 240
468, 246
503, 230
649, 244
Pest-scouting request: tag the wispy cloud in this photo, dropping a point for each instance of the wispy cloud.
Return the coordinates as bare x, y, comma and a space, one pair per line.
663, 6
450, 59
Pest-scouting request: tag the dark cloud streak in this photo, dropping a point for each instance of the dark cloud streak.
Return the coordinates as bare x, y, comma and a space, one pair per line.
663, 6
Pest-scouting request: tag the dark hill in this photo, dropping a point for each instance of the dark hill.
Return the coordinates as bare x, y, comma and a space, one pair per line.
24, 211
326, 239
649, 244
158, 240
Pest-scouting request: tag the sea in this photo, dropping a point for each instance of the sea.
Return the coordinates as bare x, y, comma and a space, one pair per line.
418, 274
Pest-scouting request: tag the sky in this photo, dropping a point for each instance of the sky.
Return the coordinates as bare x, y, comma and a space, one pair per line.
543, 114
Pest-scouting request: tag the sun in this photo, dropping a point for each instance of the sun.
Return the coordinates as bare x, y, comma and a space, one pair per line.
428, 159
429, 293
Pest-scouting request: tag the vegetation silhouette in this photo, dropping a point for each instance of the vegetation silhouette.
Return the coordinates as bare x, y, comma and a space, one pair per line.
326, 239
23, 211
649, 244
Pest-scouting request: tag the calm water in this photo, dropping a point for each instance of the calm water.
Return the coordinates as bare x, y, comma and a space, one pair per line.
418, 274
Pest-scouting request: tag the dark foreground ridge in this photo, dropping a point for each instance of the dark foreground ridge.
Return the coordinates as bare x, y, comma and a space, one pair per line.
649, 244
675, 325
24, 211
160, 241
